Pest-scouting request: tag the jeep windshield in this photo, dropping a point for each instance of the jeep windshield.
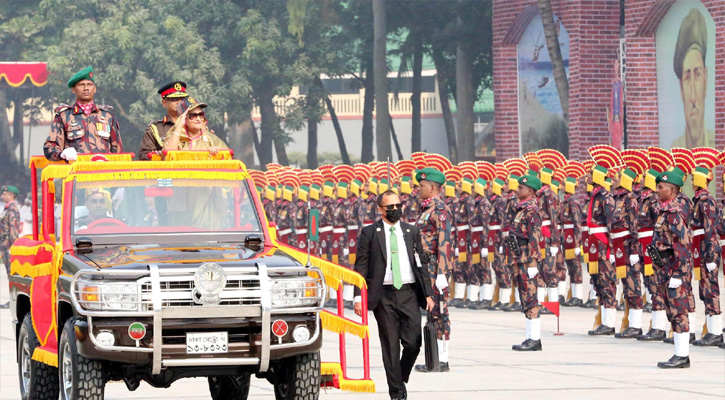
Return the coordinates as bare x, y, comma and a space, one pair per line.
216, 210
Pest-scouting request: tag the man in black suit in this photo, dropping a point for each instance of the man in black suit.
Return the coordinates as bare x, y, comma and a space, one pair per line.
398, 286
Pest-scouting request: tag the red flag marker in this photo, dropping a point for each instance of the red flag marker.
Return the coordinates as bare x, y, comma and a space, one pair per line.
553, 306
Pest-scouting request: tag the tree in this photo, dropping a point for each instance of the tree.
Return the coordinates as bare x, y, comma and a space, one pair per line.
380, 68
557, 61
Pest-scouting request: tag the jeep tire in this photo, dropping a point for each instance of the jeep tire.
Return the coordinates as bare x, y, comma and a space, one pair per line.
79, 378
38, 381
229, 387
298, 378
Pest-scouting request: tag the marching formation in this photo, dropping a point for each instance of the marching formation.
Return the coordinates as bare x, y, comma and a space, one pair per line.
525, 224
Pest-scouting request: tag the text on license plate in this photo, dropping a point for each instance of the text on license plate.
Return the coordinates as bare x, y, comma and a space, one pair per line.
207, 342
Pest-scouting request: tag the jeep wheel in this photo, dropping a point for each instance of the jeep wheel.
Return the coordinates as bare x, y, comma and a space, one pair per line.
80, 377
229, 387
38, 381
298, 378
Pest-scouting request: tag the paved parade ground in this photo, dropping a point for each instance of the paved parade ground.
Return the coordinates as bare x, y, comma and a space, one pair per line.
483, 366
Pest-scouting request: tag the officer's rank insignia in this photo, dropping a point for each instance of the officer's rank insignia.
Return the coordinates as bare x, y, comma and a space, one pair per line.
192, 100
177, 87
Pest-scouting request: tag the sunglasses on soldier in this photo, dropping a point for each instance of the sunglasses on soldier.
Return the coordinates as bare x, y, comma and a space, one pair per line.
196, 115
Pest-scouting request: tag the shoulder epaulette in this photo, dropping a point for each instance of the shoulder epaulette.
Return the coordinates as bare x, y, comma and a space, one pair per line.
104, 107
156, 121
61, 108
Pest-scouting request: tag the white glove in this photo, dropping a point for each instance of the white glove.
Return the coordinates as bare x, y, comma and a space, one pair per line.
577, 250
500, 249
441, 282
675, 283
69, 154
711, 267
532, 272
612, 259
554, 250
633, 259
455, 252
484, 252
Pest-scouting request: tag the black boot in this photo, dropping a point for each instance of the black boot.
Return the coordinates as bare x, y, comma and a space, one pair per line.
528, 345
493, 306
442, 367
575, 302
455, 302
648, 308
654, 335
721, 345
629, 333
545, 311
463, 304
675, 362
590, 304
515, 307
602, 330
562, 300
484, 303
708, 340
478, 305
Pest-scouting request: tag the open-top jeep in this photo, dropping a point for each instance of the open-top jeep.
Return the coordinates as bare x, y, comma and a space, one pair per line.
160, 270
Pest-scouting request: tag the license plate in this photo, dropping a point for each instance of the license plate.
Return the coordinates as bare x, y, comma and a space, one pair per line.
207, 343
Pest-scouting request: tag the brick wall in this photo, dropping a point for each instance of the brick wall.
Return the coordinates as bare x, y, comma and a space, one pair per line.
593, 27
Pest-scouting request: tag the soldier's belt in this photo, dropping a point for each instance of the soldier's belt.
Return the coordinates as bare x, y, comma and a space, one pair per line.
599, 229
617, 235
352, 227
337, 230
285, 232
698, 232
325, 229
644, 234
461, 228
301, 231
584, 228
568, 226
494, 227
477, 229
546, 222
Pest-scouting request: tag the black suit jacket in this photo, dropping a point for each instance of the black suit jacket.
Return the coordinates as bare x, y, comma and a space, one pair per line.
371, 261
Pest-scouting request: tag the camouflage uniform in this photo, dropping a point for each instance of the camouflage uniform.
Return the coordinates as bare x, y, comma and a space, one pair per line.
705, 234
526, 229
354, 224
571, 220
465, 207
479, 270
624, 222
9, 230
672, 238
494, 241
154, 136
97, 132
548, 207
300, 225
600, 214
326, 206
436, 226
648, 211
411, 208
286, 221
270, 210
339, 231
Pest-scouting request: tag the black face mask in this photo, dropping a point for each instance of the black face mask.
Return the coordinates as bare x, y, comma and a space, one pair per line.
393, 215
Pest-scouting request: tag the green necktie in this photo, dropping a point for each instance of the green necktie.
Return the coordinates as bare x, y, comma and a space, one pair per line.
394, 262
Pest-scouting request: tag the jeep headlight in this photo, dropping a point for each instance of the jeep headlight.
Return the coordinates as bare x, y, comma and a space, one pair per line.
109, 296
294, 292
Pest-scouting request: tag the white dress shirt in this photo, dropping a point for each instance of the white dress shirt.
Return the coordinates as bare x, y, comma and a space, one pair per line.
406, 272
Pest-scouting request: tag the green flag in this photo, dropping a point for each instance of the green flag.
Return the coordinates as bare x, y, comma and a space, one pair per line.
313, 232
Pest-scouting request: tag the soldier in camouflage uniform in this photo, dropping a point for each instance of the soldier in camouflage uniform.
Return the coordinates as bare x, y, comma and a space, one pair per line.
671, 241
327, 208
626, 249
548, 203
10, 225
479, 269
720, 226
706, 254
465, 208
493, 240
508, 218
153, 138
369, 206
411, 208
436, 225
270, 208
571, 220
526, 255
84, 127
301, 217
286, 211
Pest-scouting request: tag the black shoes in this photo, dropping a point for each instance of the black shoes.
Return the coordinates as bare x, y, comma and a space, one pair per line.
574, 302
562, 300
654, 335
602, 330
442, 367
721, 345
5, 305
493, 306
629, 333
455, 302
708, 340
528, 345
479, 305
463, 304
545, 311
512, 307
675, 362
672, 340
590, 304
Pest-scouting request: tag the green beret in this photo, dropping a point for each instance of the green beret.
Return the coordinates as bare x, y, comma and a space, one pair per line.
692, 36
530, 181
430, 174
11, 189
85, 73
674, 177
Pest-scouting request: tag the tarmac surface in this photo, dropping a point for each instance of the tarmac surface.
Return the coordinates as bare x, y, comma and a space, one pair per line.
483, 366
